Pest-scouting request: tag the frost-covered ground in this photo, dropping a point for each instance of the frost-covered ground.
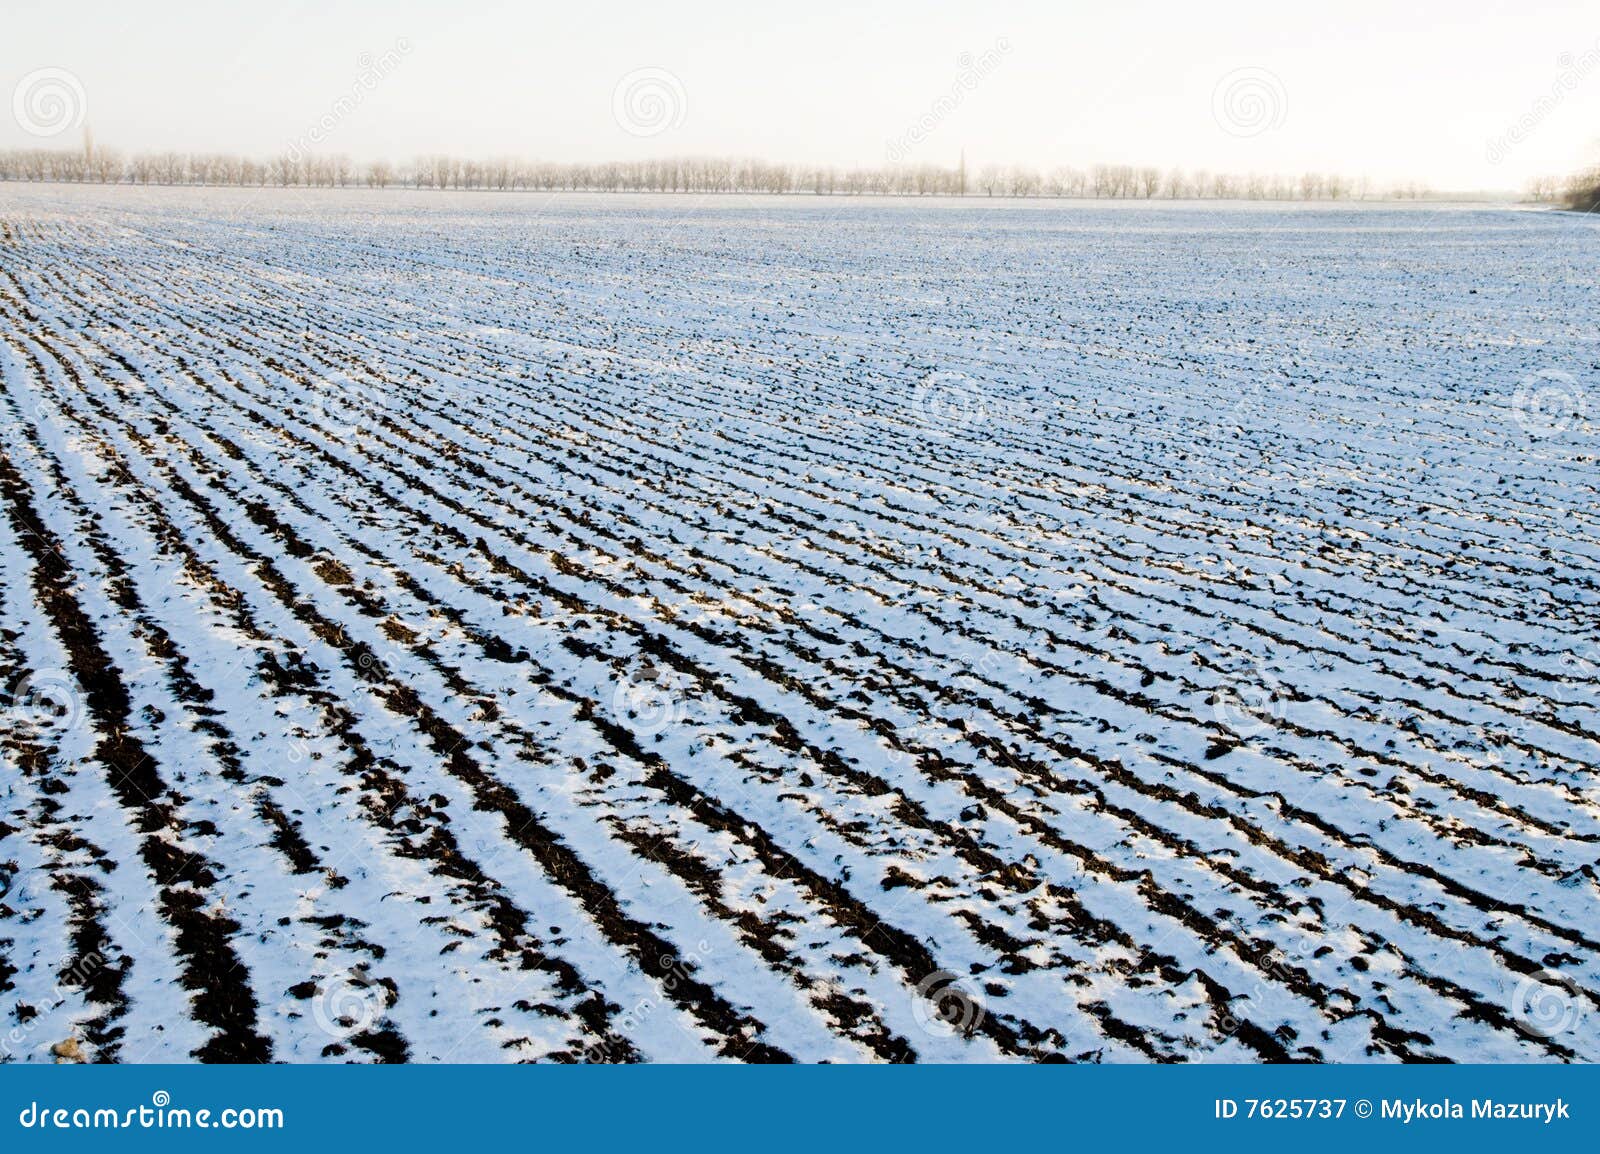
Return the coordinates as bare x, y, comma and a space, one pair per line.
494, 628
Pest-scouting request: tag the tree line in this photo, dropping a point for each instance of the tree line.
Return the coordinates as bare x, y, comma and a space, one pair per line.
679, 174
1581, 193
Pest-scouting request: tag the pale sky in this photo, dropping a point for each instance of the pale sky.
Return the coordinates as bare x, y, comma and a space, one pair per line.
1427, 91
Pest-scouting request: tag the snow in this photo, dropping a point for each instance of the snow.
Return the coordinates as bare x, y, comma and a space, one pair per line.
684, 629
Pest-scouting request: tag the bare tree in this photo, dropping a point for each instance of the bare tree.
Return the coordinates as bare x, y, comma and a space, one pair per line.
106, 166
1581, 192
674, 174
1023, 182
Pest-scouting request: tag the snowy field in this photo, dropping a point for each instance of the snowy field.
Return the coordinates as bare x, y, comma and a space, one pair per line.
585, 628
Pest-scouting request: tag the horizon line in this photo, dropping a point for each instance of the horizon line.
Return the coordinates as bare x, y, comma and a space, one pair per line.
713, 173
